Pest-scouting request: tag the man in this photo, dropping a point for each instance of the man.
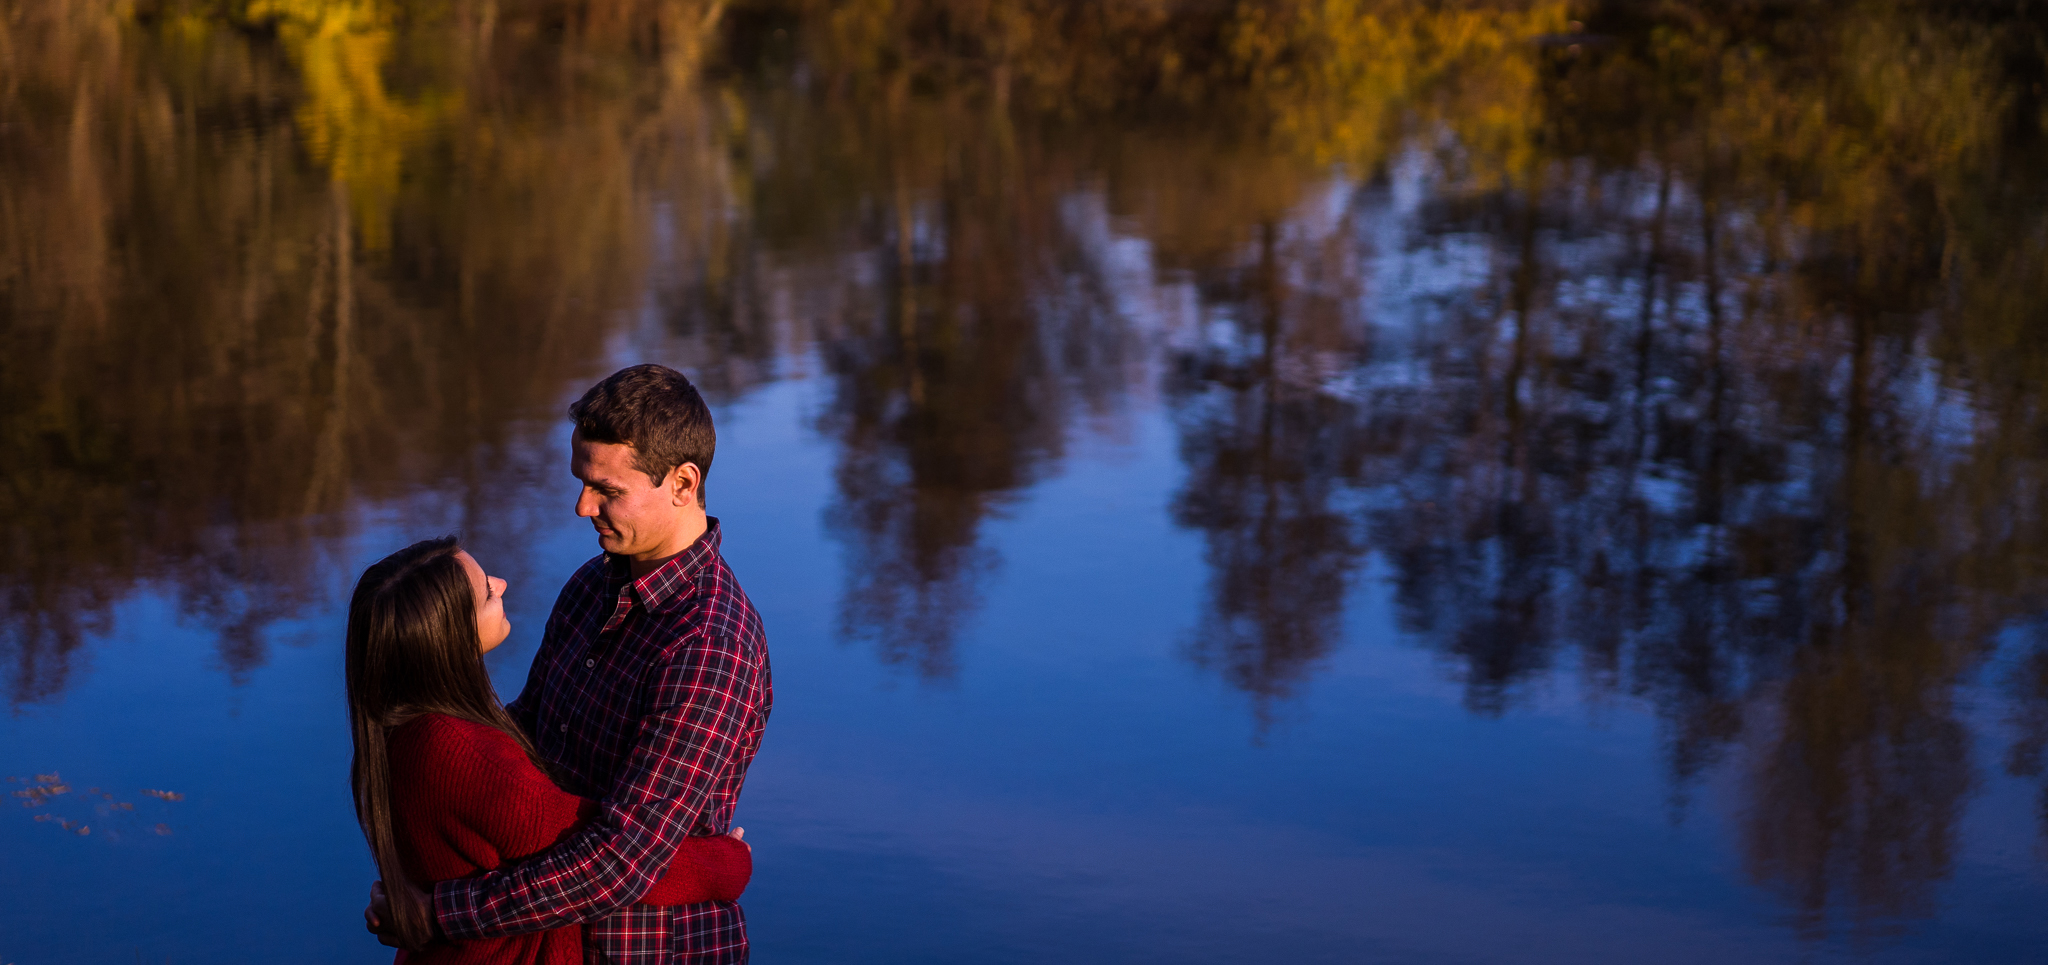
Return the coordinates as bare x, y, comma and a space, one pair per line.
649, 693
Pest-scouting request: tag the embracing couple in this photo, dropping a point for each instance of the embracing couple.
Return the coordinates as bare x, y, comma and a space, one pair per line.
587, 820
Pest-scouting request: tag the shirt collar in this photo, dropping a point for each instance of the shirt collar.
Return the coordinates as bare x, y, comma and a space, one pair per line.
668, 579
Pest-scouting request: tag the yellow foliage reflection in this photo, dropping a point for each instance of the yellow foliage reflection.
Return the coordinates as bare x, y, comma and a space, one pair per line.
350, 122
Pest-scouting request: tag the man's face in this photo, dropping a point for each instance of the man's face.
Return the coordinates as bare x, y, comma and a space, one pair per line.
634, 517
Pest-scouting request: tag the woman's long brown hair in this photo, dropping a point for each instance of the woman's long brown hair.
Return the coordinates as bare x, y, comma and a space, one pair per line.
412, 650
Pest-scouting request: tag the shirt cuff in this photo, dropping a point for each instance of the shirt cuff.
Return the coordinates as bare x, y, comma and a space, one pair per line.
457, 909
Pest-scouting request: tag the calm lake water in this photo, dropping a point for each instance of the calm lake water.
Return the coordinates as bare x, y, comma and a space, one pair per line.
1451, 485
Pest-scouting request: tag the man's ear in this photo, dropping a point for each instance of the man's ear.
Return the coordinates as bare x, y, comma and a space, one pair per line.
684, 482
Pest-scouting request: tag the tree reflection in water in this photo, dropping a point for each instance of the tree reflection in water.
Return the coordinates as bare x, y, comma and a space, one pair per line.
1735, 417
1736, 431
943, 403
2027, 756
962, 334
232, 325
1272, 454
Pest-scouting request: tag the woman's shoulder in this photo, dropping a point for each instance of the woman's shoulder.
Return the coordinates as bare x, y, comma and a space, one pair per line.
436, 727
444, 739
455, 772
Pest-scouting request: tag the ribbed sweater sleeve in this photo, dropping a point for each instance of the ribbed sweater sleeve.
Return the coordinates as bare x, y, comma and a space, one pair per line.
483, 799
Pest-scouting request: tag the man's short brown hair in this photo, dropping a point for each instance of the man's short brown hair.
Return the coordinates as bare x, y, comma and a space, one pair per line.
654, 409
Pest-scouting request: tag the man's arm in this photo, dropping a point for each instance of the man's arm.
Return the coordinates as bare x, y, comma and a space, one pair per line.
703, 706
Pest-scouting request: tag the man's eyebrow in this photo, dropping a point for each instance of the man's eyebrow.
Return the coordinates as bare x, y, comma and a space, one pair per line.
594, 482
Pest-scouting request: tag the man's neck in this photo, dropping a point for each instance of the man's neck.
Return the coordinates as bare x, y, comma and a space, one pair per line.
686, 536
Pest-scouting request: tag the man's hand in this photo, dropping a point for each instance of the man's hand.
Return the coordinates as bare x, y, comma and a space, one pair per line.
380, 909
737, 834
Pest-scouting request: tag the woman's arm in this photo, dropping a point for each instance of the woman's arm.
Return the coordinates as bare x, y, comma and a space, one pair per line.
705, 868
702, 719
523, 813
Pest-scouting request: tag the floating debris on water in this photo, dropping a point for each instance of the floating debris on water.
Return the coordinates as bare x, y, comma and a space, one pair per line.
44, 787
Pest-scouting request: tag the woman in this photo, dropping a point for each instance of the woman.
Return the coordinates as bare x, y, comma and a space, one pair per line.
446, 784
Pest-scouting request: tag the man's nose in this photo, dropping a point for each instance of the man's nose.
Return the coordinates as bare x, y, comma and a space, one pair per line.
586, 504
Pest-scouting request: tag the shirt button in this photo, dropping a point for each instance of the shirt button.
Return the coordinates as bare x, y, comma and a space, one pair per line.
590, 663
565, 728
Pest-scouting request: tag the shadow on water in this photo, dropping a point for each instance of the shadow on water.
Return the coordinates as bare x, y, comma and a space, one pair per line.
1697, 361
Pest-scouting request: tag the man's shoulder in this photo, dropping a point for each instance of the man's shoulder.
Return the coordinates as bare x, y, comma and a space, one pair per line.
723, 605
713, 611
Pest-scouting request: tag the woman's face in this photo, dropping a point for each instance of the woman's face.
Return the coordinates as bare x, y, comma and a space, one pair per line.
491, 626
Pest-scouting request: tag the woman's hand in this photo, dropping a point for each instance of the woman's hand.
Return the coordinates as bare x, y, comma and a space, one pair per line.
380, 908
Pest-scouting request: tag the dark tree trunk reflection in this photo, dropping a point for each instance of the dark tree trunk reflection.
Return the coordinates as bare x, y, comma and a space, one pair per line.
1273, 453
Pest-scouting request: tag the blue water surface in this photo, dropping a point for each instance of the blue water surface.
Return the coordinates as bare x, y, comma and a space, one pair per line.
1078, 791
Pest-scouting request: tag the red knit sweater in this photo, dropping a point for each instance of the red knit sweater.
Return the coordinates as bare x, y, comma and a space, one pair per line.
464, 799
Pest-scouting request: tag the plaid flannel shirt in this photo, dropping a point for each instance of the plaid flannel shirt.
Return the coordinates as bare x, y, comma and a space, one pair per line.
649, 695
